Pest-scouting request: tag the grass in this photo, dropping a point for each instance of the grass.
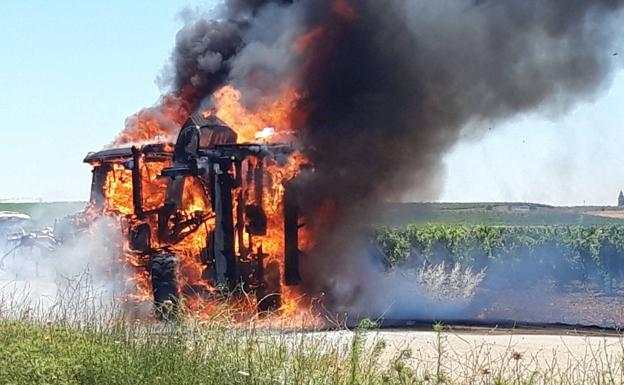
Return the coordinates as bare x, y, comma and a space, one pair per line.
81, 341
36, 349
184, 354
446, 283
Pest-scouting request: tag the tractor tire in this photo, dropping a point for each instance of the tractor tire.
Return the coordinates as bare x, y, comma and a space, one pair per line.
269, 295
163, 269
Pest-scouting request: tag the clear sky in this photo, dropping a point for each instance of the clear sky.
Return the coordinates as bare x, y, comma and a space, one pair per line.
71, 72
573, 159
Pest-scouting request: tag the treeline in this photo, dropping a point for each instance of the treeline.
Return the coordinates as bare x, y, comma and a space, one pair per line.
517, 254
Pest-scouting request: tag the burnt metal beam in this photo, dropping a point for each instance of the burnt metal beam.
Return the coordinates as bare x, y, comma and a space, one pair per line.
98, 184
137, 188
268, 292
259, 182
225, 258
240, 209
291, 235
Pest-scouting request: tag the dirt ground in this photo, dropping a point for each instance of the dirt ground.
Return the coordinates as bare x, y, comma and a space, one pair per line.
586, 306
617, 214
486, 352
569, 334
480, 355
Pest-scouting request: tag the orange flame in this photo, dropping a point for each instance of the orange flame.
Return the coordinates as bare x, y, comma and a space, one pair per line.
151, 125
246, 123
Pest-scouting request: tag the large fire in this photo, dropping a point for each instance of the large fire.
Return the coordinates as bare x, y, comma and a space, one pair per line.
273, 119
200, 296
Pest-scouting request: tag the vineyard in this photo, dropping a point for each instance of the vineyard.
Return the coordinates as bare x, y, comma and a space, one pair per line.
513, 256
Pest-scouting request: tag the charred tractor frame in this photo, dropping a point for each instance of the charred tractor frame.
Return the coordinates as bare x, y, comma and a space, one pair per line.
233, 181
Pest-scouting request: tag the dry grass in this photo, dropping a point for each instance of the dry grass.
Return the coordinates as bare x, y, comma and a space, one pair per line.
444, 282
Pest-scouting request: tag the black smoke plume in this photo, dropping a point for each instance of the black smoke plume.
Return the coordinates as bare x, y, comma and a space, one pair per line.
202, 58
389, 86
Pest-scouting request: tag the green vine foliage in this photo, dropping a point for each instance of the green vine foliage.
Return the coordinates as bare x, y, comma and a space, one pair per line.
564, 253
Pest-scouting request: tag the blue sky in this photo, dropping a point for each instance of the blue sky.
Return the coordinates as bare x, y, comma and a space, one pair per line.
71, 72
571, 159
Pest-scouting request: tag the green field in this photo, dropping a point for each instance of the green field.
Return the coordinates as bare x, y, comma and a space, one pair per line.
44, 214
520, 214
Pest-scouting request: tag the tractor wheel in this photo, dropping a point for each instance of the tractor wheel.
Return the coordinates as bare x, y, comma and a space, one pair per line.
164, 285
269, 295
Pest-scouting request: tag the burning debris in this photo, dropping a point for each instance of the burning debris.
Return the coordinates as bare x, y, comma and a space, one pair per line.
367, 96
204, 217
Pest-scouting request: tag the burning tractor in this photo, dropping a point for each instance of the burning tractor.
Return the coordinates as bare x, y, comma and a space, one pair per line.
205, 216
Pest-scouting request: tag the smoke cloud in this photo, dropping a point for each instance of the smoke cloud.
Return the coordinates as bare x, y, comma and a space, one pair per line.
33, 281
390, 86
387, 88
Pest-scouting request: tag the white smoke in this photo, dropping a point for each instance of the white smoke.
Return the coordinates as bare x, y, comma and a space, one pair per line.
81, 272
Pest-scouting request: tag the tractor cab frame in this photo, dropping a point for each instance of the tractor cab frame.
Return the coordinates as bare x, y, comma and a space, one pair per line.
231, 180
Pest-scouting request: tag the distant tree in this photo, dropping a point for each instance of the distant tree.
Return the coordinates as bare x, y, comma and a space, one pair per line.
621, 199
